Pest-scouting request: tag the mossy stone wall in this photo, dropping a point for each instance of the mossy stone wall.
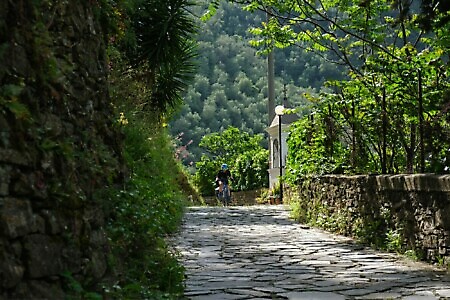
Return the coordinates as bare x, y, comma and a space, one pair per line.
58, 147
370, 206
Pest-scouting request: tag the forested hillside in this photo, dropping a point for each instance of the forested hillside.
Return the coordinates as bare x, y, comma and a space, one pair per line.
230, 87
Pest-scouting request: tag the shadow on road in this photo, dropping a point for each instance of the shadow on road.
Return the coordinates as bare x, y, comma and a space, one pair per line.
258, 252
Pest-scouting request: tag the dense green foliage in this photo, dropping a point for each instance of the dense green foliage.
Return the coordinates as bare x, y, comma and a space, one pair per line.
247, 159
230, 87
391, 113
150, 59
156, 40
144, 211
313, 149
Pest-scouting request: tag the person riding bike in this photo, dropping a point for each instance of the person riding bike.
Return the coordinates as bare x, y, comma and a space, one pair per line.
223, 177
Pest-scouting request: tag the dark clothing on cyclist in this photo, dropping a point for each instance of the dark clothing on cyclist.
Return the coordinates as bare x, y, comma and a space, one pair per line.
223, 175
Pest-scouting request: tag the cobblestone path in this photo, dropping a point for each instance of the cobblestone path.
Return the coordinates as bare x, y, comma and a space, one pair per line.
256, 252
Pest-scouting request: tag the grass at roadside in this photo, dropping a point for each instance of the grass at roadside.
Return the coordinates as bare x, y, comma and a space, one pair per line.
147, 209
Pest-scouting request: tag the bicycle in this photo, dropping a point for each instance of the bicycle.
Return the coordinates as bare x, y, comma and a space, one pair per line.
224, 196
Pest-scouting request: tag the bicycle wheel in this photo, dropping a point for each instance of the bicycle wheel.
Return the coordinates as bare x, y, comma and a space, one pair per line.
226, 195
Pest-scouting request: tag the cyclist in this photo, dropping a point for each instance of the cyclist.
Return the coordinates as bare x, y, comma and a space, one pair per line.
223, 177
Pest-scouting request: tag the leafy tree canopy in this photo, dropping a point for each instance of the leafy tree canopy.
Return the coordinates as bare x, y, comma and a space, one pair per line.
243, 152
393, 108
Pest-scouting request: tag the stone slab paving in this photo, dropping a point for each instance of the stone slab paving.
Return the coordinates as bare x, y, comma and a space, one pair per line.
256, 252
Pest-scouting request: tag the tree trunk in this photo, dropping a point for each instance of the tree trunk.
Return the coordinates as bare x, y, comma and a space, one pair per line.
410, 150
271, 81
353, 154
384, 134
421, 140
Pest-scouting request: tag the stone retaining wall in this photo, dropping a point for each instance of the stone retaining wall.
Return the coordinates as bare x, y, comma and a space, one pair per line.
371, 206
237, 198
246, 197
58, 147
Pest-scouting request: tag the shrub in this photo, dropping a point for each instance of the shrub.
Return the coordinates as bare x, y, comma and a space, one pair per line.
142, 213
248, 160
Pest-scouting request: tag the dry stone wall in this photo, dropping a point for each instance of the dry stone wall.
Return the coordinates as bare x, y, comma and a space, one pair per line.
57, 147
416, 206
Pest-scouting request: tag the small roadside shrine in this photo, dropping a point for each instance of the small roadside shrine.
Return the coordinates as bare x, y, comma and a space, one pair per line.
278, 132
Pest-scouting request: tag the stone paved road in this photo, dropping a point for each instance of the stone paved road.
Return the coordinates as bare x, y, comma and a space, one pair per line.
256, 252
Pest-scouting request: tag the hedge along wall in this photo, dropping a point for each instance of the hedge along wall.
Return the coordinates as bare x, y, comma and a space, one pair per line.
58, 147
378, 209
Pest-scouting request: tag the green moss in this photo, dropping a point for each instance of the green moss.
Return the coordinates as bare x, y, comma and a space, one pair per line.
375, 229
